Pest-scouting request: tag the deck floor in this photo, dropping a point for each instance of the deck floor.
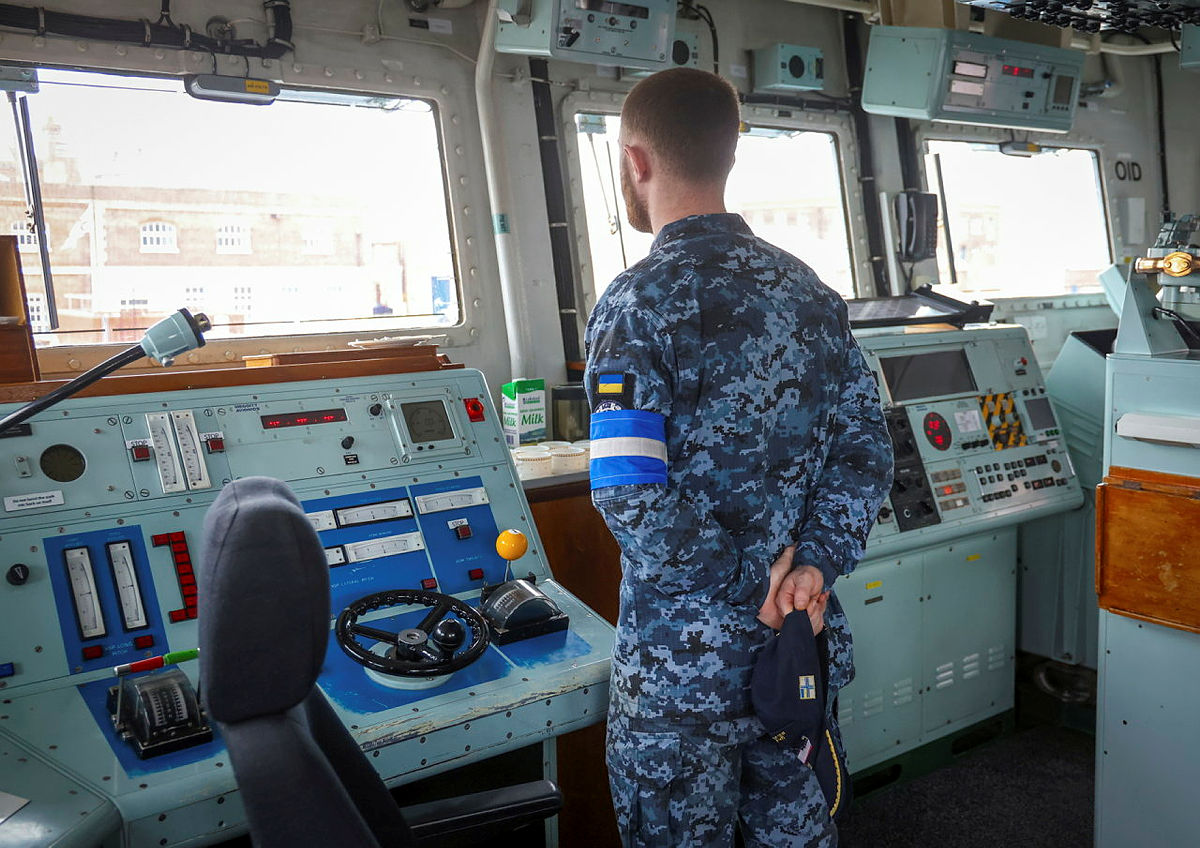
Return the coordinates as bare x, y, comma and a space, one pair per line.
1033, 788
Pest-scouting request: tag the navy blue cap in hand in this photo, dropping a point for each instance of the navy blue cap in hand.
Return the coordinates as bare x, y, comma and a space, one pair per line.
788, 692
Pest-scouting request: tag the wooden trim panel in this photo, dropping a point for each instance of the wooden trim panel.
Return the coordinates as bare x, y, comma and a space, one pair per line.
1147, 556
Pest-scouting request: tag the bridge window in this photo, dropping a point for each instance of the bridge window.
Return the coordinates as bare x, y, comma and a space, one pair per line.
800, 209
1019, 226
156, 219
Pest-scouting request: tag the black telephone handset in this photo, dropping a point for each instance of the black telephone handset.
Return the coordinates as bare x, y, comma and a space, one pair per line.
916, 225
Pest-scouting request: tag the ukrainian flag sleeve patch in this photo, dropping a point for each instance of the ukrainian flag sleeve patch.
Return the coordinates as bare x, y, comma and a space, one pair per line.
629, 448
610, 384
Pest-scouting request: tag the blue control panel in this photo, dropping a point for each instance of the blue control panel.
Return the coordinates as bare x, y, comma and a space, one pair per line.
406, 480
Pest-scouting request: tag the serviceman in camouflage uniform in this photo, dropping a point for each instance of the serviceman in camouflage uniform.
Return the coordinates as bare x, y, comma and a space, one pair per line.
734, 421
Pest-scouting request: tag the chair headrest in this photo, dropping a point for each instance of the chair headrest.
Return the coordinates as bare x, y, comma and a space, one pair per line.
263, 601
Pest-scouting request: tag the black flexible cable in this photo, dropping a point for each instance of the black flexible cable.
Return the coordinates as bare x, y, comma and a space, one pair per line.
163, 33
63, 392
1180, 322
712, 31
876, 246
694, 11
1162, 135
1162, 131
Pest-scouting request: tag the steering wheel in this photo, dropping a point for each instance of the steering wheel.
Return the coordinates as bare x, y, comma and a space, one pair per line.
427, 650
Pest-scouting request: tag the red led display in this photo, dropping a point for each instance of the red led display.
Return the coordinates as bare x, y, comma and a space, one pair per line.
1017, 71
937, 431
302, 419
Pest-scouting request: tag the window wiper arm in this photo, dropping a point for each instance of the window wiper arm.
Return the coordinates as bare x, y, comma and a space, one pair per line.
33, 197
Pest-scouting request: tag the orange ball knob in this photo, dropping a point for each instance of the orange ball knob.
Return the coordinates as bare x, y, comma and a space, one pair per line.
511, 544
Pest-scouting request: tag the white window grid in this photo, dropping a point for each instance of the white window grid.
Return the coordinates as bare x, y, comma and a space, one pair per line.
159, 237
39, 320
233, 239
27, 240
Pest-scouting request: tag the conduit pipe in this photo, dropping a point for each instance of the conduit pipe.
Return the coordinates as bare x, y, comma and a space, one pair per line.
512, 291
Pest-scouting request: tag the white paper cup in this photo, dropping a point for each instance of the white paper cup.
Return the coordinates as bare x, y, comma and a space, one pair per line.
569, 460
531, 465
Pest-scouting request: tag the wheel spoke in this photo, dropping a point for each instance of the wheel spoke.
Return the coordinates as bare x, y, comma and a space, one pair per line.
373, 633
435, 615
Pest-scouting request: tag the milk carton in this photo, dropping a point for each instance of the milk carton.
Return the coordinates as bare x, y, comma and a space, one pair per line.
524, 411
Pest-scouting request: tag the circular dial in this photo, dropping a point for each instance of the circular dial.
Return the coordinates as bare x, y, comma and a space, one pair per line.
62, 463
937, 431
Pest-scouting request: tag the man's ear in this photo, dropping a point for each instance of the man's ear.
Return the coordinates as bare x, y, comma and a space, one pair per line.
639, 162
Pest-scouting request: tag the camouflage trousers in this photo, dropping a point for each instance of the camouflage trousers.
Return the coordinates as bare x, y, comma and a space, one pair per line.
679, 788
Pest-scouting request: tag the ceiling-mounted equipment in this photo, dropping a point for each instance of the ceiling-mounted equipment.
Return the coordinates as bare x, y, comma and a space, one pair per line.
1189, 48
966, 78
1090, 16
782, 68
685, 53
632, 34
226, 89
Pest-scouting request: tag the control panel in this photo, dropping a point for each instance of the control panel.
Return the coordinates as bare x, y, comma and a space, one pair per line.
975, 437
409, 485
968, 78
629, 33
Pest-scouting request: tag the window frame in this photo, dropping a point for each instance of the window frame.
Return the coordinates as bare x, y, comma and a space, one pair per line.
469, 232
994, 135
836, 124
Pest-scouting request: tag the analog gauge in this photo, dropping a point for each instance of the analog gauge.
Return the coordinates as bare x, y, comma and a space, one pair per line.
62, 463
937, 431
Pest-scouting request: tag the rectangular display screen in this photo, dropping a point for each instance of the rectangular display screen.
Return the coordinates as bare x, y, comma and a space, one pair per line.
427, 421
302, 419
925, 375
970, 69
605, 7
1062, 90
1018, 71
1041, 416
974, 89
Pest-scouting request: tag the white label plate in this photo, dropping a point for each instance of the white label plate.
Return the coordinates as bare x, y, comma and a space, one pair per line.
35, 500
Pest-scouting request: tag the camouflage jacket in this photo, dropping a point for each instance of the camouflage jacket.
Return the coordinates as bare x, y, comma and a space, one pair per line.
732, 414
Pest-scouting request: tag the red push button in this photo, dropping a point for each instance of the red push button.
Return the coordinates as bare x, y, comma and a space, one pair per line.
216, 445
140, 453
463, 531
143, 642
178, 615
474, 409
429, 583
93, 652
475, 573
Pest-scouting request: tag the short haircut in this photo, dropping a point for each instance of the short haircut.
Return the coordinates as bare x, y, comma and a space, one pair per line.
689, 118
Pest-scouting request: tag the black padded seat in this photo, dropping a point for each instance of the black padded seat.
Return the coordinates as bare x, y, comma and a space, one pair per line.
264, 625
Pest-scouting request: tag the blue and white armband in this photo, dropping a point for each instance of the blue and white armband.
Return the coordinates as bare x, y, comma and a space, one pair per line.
629, 448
